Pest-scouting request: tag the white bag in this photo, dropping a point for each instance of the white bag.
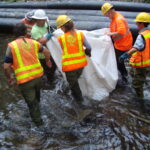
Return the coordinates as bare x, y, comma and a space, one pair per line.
100, 76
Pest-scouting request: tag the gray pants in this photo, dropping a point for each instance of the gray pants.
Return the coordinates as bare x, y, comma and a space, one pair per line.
31, 93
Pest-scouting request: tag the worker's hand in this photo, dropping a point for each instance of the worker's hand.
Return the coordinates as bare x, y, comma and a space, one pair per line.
49, 36
12, 80
108, 33
88, 52
49, 63
123, 57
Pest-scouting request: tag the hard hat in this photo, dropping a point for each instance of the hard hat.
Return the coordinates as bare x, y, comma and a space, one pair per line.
143, 17
61, 20
106, 7
29, 15
39, 14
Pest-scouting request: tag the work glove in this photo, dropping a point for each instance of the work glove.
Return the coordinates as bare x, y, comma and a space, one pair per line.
49, 36
88, 52
123, 57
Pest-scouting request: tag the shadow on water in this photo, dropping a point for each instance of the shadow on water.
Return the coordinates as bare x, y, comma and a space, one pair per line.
119, 122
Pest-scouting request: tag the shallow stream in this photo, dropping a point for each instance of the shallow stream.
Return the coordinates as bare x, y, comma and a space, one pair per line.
119, 122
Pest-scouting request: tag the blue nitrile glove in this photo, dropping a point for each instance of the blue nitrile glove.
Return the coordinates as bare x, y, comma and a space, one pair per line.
123, 57
49, 36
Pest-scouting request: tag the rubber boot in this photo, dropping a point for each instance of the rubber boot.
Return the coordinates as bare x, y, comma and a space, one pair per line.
139, 93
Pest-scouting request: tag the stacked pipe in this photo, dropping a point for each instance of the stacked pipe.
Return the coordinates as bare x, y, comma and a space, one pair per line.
86, 15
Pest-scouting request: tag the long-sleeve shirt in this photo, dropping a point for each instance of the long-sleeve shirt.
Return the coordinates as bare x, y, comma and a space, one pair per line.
140, 41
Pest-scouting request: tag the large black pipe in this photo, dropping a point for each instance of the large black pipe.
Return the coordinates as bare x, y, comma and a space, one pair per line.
8, 24
22, 11
87, 15
123, 6
20, 14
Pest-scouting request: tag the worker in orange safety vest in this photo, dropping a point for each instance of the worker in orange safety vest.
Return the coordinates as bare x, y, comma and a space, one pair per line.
22, 58
120, 34
140, 54
73, 54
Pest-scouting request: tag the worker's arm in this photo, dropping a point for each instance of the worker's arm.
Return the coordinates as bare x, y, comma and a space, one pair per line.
113, 33
87, 47
139, 45
47, 56
7, 67
43, 40
9, 73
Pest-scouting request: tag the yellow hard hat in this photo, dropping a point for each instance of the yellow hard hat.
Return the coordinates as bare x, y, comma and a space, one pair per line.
61, 20
143, 17
106, 7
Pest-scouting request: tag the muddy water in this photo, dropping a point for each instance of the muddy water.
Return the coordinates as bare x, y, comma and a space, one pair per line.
120, 122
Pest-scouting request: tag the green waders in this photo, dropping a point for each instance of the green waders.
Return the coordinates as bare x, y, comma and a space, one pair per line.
72, 78
31, 93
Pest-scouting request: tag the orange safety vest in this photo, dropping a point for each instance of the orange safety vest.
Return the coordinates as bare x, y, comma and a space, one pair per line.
141, 59
124, 41
73, 53
26, 64
29, 26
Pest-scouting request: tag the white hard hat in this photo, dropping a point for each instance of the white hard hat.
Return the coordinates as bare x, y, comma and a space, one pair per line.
39, 14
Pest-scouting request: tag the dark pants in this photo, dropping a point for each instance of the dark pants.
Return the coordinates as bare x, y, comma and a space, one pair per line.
49, 72
72, 78
138, 79
120, 65
31, 93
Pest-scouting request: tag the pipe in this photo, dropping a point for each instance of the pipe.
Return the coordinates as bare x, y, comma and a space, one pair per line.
122, 6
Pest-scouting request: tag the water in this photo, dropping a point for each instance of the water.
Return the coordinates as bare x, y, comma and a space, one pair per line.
117, 123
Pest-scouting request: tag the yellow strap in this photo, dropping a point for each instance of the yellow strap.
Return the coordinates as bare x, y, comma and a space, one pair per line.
73, 55
147, 36
140, 63
80, 42
36, 49
17, 52
135, 53
64, 45
74, 61
25, 68
29, 74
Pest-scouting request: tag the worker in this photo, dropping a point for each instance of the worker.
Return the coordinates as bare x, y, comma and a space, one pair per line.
120, 34
29, 22
140, 58
40, 33
22, 57
74, 59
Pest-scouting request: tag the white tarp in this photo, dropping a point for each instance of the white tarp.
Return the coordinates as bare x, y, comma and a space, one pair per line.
100, 76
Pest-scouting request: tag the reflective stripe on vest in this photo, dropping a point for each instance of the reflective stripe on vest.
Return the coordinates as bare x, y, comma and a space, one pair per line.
79, 54
23, 68
140, 55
